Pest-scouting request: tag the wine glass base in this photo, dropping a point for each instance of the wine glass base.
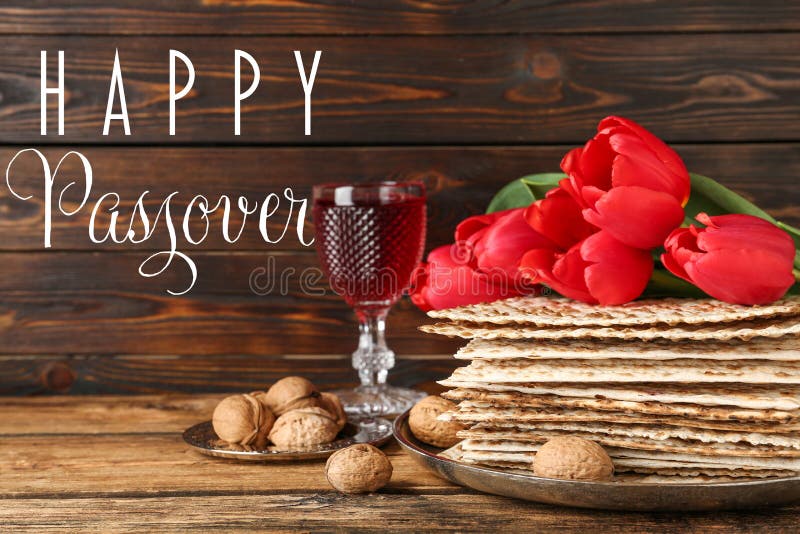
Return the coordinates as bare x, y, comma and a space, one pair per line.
372, 401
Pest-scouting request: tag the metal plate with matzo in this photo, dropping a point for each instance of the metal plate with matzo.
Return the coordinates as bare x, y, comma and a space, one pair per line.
744, 330
545, 311
785, 348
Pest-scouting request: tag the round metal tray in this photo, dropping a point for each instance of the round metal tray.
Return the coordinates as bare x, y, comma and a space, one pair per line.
203, 439
614, 495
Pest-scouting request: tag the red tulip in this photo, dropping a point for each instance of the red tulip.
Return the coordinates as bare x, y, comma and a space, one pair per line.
736, 258
498, 240
447, 281
597, 270
483, 264
628, 182
586, 264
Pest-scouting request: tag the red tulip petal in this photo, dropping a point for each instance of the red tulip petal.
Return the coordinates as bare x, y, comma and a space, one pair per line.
559, 218
636, 216
571, 161
471, 225
446, 283
668, 157
572, 186
742, 276
563, 273
446, 255
681, 247
616, 272
674, 267
569, 268
737, 231
591, 196
650, 173
595, 163
503, 243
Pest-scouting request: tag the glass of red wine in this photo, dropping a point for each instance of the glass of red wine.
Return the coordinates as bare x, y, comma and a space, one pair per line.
370, 239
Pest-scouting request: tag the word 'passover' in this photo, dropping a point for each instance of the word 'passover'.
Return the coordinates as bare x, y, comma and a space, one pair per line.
140, 227
116, 89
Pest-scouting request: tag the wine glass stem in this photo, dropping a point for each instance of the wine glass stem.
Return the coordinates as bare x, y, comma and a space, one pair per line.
373, 358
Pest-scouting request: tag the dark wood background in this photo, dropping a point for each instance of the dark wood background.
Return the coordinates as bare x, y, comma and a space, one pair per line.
464, 95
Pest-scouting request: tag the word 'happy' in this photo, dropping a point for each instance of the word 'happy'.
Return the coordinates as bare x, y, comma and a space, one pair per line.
140, 226
116, 89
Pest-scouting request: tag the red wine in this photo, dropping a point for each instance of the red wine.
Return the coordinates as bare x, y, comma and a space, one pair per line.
370, 249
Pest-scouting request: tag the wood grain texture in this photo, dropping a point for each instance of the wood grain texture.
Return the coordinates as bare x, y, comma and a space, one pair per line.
325, 511
111, 463
460, 181
154, 463
442, 90
99, 414
243, 17
80, 303
137, 374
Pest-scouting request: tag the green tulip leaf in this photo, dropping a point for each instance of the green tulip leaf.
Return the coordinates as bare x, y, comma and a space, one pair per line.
709, 196
514, 195
524, 191
795, 289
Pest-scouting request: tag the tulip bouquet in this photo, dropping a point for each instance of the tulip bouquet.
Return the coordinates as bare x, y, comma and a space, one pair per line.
624, 220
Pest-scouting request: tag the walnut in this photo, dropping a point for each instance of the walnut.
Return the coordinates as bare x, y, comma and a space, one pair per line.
424, 423
243, 420
573, 458
291, 393
331, 404
303, 428
359, 468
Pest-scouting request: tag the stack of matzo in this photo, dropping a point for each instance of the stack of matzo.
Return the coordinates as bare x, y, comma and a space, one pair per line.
668, 387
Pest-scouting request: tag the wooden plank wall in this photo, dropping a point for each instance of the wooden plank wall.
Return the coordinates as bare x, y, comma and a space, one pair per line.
463, 95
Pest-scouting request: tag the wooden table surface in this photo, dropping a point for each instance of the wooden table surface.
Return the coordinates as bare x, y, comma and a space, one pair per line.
106, 463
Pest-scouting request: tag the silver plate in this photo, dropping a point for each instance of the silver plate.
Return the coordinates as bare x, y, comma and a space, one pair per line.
615, 495
203, 439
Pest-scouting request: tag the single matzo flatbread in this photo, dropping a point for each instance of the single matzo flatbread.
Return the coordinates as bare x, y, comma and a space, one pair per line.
653, 432
523, 464
785, 348
545, 311
470, 413
745, 330
558, 404
621, 371
635, 442
748, 396
622, 454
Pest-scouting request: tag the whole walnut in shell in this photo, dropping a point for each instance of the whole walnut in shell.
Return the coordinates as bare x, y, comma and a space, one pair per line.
424, 423
243, 420
331, 404
359, 468
303, 428
291, 393
573, 458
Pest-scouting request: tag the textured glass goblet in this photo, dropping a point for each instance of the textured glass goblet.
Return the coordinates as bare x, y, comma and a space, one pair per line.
370, 239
